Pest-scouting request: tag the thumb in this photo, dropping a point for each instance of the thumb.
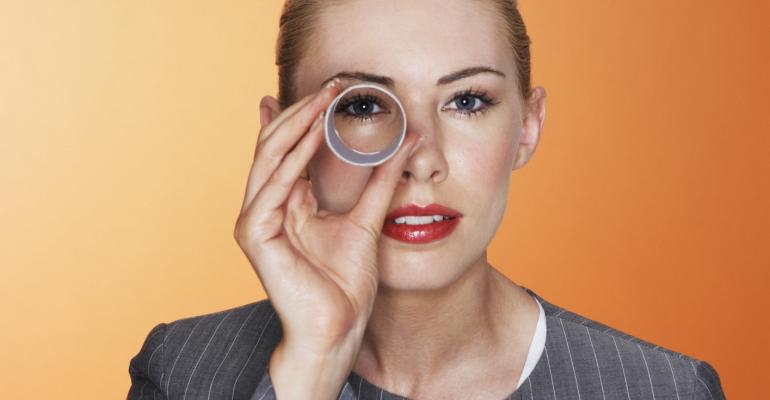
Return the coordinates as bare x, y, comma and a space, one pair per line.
372, 207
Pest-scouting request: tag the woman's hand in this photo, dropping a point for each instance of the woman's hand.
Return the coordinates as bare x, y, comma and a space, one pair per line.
319, 269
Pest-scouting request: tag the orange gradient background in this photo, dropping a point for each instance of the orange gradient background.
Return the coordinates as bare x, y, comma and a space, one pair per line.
127, 130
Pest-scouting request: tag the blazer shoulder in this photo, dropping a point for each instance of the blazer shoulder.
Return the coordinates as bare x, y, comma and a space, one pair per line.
579, 334
255, 309
245, 325
558, 315
225, 349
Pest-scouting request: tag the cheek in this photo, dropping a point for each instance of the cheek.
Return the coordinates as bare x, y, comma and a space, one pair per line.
336, 184
482, 169
484, 163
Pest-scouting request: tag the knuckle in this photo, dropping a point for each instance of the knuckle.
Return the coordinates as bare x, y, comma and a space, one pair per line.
280, 180
238, 234
267, 153
243, 231
237, 231
251, 230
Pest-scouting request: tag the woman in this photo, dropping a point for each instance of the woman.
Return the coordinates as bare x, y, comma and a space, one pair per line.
362, 306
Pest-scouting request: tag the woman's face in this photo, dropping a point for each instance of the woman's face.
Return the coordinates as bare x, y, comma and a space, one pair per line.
470, 146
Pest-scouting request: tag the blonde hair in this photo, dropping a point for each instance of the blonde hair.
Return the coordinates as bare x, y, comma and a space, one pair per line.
298, 22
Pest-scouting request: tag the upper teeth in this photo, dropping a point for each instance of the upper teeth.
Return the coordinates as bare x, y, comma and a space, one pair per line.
419, 220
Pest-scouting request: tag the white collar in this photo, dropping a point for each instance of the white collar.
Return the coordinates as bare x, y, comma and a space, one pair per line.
536, 347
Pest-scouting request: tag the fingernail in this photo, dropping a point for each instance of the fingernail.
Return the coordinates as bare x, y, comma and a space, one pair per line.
334, 82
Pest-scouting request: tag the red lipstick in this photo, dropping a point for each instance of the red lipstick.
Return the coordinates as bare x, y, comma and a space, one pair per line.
411, 224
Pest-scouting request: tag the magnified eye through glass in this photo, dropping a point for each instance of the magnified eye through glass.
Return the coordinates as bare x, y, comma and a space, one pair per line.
365, 125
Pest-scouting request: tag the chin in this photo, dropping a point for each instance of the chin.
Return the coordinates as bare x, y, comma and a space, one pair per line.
426, 270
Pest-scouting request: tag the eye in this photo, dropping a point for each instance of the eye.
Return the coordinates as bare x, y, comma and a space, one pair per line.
362, 107
471, 102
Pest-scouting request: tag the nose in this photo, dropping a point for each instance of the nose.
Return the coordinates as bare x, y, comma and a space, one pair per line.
428, 162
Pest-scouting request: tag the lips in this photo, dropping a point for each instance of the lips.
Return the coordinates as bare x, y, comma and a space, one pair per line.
414, 209
423, 233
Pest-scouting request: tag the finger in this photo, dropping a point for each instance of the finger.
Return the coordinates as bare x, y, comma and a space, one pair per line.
296, 108
272, 150
280, 183
300, 206
302, 116
372, 207
268, 129
258, 165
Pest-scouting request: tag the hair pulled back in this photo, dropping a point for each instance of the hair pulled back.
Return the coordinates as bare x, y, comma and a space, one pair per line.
298, 20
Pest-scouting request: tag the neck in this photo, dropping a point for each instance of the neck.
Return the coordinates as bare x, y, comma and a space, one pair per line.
416, 335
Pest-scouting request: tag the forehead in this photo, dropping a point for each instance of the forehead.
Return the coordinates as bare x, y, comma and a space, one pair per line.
414, 42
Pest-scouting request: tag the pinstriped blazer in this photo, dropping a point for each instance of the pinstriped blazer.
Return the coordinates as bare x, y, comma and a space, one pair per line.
224, 355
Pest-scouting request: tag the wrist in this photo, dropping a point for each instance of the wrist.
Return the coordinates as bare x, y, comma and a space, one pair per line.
303, 374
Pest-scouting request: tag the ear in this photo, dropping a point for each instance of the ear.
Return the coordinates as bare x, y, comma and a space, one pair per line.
532, 126
269, 109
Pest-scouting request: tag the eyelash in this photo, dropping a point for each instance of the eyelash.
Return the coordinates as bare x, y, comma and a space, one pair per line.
366, 97
486, 100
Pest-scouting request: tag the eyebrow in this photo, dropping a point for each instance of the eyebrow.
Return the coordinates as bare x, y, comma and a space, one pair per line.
387, 81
